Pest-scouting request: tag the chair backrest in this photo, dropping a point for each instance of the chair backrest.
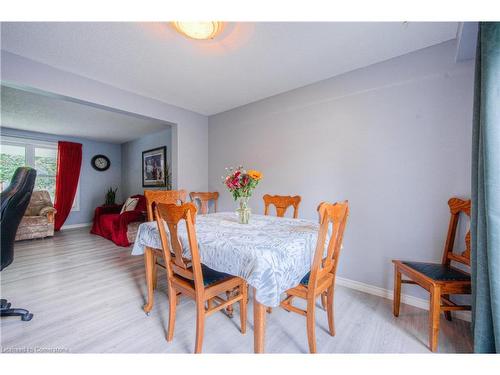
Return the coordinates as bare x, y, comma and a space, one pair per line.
13, 201
204, 198
281, 203
457, 206
176, 264
334, 214
154, 197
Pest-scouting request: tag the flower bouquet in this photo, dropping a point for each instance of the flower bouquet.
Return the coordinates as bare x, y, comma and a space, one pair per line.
241, 184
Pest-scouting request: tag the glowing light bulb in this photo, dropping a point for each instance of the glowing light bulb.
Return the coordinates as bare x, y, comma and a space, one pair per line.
199, 30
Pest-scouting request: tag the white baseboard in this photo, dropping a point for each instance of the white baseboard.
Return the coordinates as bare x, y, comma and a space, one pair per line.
74, 226
389, 294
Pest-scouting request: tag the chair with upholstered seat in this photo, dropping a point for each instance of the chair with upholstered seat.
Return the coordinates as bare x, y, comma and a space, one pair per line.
13, 201
191, 278
153, 197
439, 279
204, 199
321, 277
281, 204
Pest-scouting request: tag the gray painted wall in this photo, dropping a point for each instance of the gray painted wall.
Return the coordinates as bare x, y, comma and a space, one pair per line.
93, 184
189, 134
392, 138
132, 159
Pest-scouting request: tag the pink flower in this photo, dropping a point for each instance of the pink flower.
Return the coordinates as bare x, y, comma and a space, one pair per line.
245, 180
235, 182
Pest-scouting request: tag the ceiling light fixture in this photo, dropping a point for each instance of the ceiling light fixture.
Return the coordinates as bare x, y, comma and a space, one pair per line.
199, 30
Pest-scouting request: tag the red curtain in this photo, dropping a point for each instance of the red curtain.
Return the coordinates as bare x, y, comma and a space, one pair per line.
69, 162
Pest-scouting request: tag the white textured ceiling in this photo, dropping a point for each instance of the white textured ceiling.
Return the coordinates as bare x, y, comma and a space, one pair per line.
54, 115
246, 63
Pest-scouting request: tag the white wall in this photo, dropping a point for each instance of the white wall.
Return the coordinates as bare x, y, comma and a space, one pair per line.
189, 134
392, 138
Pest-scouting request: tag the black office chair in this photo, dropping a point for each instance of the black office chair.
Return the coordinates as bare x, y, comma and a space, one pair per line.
14, 201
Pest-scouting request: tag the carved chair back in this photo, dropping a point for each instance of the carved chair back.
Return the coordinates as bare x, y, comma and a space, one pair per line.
172, 214
204, 198
154, 197
457, 206
332, 215
281, 203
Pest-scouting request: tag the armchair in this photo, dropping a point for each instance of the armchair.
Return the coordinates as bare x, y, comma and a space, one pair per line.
38, 220
120, 228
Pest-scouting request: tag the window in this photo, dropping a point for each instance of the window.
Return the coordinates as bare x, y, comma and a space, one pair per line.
18, 152
46, 166
11, 157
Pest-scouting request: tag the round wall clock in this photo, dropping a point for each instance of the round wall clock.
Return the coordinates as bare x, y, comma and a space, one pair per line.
100, 163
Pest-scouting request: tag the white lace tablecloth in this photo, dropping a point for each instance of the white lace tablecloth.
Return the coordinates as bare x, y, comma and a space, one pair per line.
272, 254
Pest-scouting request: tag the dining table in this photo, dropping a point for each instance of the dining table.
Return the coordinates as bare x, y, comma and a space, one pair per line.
271, 253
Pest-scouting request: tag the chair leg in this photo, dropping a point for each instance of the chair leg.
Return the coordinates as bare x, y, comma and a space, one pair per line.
148, 266
329, 310
324, 300
243, 308
434, 315
200, 326
447, 314
311, 324
155, 272
172, 307
229, 309
397, 292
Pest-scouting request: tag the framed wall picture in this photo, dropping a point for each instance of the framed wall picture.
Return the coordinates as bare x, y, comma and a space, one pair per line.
154, 167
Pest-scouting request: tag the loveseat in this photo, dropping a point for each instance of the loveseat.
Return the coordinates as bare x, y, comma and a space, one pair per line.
120, 228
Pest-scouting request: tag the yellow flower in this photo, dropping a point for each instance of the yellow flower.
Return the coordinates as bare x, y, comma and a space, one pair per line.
256, 175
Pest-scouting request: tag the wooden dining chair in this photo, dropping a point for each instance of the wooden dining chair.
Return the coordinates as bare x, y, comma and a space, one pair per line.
321, 277
439, 279
204, 198
281, 204
154, 197
192, 278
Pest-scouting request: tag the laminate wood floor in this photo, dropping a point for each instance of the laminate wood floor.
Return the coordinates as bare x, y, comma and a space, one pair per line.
87, 294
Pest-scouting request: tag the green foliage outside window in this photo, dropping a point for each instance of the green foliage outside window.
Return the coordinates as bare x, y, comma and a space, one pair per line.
45, 166
8, 165
46, 174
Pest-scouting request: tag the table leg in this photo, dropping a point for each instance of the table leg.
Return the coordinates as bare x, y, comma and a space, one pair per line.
149, 265
259, 324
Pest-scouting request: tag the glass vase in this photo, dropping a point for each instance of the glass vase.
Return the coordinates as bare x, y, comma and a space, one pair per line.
243, 211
